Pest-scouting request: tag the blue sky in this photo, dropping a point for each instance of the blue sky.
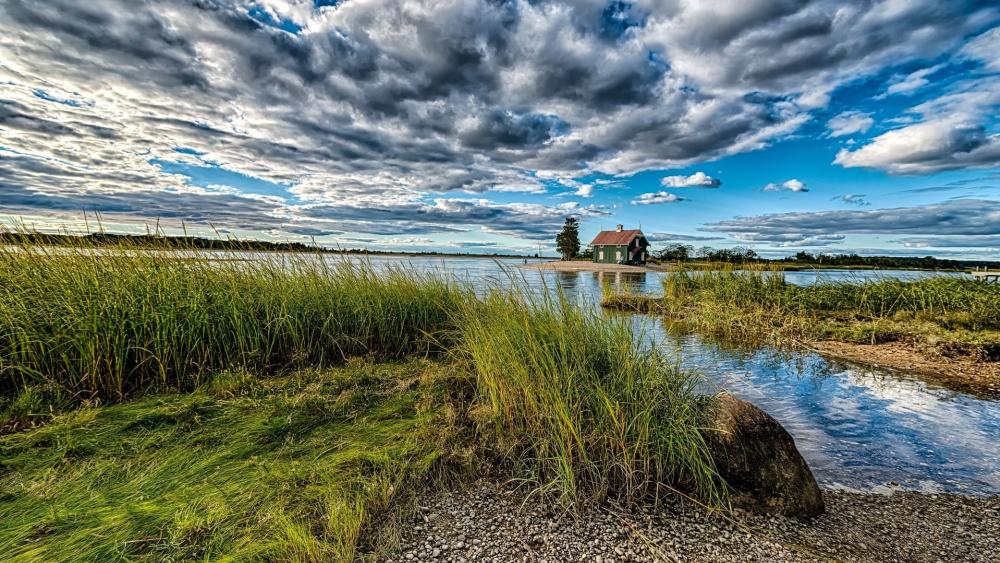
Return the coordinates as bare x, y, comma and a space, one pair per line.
466, 125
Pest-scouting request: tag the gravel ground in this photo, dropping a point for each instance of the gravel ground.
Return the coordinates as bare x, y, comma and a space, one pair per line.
493, 523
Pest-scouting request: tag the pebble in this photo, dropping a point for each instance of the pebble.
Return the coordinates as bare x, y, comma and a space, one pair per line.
491, 522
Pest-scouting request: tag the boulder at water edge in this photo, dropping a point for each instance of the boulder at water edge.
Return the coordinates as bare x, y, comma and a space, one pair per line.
757, 458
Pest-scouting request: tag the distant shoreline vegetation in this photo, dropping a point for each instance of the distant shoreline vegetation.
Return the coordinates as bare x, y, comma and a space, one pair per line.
701, 258
165, 242
742, 255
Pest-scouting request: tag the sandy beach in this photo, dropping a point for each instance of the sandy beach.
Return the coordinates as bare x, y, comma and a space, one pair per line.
588, 266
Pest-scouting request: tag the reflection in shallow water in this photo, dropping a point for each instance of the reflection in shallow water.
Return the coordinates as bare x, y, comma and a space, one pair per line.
857, 427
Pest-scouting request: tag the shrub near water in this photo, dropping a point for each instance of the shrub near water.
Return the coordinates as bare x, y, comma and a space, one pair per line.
574, 400
88, 323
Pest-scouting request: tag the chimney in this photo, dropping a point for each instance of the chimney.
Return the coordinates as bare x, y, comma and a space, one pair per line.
618, 228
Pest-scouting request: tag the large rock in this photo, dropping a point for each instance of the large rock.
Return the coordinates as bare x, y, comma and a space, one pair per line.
757, 458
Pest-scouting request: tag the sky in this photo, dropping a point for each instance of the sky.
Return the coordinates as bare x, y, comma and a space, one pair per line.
480, 125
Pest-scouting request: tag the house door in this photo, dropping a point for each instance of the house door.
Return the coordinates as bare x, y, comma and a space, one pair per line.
600, 255
618, 256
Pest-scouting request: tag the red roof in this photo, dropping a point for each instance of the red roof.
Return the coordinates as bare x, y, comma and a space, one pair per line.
616, 237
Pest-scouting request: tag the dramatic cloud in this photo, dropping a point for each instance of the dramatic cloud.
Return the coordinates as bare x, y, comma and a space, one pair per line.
956, 217
696, 180
792, 185
853, 199
656, 197
530, 221
850, 122
372, 117
804, 47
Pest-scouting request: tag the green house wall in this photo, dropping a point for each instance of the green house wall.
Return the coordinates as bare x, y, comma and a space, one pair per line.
609, 253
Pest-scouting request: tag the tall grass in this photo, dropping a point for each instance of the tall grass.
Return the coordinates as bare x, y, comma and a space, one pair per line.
570, 400
577, 402
98, 323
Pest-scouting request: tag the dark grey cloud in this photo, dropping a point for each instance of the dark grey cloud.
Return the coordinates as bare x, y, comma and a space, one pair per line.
504, 128
809, 46
529, 221
954, 217
224, 209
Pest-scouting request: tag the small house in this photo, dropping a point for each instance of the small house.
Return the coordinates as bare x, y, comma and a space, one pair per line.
620, 246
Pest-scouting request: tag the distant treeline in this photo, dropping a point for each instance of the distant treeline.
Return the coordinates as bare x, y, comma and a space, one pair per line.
922, 262
152, 241
201, 243
744, 255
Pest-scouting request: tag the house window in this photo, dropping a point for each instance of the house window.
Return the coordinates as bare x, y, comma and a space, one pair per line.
600, 255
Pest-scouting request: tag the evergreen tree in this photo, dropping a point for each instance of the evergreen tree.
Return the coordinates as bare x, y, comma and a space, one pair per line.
568, 240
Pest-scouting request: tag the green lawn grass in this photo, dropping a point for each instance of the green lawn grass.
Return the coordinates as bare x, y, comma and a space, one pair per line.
304, 467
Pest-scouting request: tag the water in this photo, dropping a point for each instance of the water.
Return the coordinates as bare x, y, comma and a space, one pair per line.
859, 428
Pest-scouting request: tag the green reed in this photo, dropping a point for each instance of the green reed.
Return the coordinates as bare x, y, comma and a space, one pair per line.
106, 323
576, 401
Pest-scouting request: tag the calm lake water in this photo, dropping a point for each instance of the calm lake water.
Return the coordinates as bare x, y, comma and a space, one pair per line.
859, 428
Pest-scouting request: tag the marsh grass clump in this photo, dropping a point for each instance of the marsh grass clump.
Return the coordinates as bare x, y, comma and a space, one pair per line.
756, 303
576, 402
105, 324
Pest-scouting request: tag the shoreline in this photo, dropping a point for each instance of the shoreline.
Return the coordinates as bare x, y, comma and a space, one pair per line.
491, 521
587, 266
959, 374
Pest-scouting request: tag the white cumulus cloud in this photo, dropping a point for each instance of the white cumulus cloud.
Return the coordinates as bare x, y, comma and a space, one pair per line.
696, 180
